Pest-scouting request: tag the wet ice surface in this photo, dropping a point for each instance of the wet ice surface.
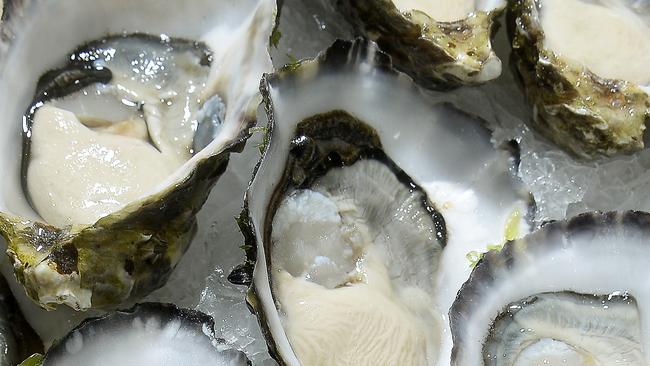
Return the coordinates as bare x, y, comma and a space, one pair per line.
562, 186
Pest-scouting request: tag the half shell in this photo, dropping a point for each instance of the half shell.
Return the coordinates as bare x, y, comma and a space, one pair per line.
573, 292
588, 108
130, 252
341, 127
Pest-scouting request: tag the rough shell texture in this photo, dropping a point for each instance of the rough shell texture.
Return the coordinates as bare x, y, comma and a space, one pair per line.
131, 252
438, 55
578, 110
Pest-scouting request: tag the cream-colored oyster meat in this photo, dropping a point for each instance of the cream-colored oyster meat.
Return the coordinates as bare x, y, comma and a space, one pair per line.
585, 68
339, 291
93, 151
359, 223
127, 119
440, 10
606, 36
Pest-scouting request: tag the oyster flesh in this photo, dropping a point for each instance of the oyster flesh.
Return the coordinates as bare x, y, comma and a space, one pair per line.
147, 334
584, 65
572, 293
17, 338
356, 218
442, 44
136, 110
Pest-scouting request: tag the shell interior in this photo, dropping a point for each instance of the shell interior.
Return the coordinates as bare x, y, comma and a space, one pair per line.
570, 292
354, 249
148, 334
113, 123
220, 25
566, 328
443, 152
97, 249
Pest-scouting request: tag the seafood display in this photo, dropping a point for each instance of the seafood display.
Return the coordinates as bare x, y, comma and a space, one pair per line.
330, 182
584, 65
123, 137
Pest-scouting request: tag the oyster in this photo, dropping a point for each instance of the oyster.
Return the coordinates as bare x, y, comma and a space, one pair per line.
442, 44
147, 334
17, 338
566, 294
356, 218
124, 137
584, 65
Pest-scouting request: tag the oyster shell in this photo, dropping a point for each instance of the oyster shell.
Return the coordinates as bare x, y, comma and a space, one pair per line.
441, 44
127, 250
17, 338
147, 334
352, 204
589, 88
568, 293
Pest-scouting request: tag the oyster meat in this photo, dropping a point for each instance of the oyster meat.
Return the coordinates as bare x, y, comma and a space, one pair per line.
442, 44
355, 238
570, 293
130, 125
147, 334
584, 65
132, 104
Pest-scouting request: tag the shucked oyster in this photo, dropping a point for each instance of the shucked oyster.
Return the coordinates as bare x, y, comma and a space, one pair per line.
572, 293
357, 217
147, 334
585, 67
442, 44
124, 137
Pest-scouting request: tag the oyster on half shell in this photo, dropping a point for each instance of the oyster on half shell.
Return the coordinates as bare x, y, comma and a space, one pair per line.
573, 292
131, 115
585, 68
441, 44
366, 201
